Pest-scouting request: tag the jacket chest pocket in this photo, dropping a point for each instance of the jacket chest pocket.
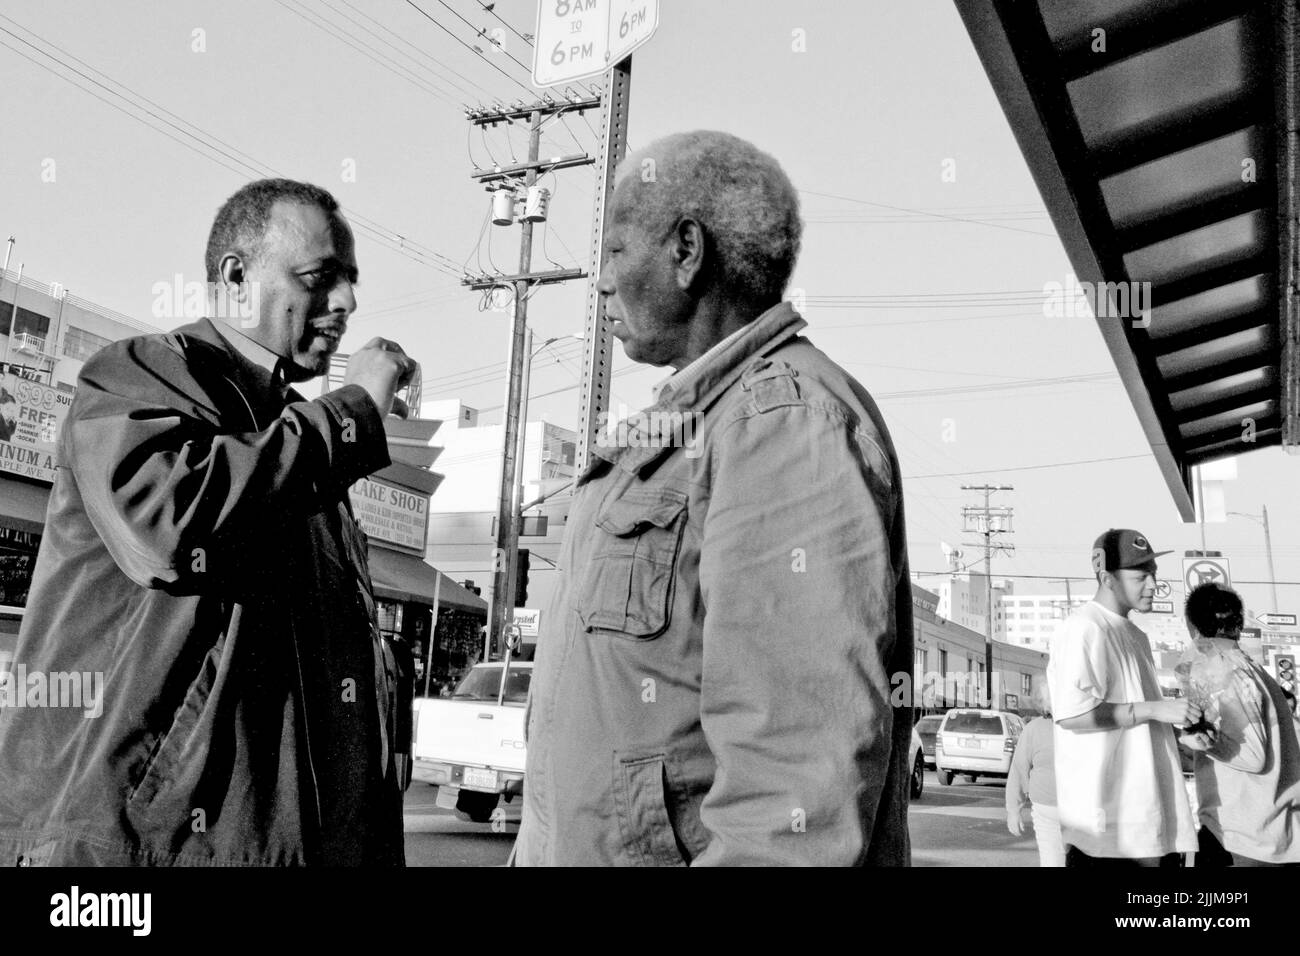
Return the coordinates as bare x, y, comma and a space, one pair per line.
628, 582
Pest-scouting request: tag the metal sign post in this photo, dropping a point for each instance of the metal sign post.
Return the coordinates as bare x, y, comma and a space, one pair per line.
597, 352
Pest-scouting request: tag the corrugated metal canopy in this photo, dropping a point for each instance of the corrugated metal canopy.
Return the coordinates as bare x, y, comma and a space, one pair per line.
1162, 135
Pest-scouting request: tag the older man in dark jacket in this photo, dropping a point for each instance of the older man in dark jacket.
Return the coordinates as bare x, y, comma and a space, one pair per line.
200, 554
717, 686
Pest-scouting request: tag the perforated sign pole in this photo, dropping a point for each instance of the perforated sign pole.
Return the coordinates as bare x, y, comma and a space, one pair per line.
597, 353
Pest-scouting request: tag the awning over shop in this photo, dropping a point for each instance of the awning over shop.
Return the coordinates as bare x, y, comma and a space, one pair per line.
1162, 135
404, 577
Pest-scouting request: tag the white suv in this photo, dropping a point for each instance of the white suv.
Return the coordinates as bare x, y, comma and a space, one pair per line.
977, 743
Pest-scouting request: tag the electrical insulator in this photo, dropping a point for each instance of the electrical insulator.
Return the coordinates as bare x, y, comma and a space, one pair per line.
503, 207
537, 204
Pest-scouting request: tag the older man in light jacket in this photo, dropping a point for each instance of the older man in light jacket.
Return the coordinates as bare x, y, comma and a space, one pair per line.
734, 597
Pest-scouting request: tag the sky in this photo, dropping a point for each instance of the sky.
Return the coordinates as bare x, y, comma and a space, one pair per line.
926, 248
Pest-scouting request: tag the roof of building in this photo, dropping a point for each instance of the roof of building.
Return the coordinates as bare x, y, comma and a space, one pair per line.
1162, 135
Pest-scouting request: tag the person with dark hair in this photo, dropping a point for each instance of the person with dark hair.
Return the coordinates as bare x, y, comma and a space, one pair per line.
1247, 756
1120, 790
200, 552
733, 601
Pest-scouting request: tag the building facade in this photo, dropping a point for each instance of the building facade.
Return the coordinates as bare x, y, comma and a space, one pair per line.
963, 599
462, 526
949, 664
47, 335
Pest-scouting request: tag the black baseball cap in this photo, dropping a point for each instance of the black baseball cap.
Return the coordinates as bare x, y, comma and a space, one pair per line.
1122, 548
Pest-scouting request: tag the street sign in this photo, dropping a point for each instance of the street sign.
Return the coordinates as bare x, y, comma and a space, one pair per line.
1280, 637
1278, 620
577, 39
1163, 590
1198, 571
1162, 607
530, 526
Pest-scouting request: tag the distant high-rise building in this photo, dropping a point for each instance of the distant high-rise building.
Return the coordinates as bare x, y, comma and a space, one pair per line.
963, 600
1032, 620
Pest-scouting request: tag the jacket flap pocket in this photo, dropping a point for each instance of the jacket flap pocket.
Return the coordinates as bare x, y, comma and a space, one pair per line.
634, 511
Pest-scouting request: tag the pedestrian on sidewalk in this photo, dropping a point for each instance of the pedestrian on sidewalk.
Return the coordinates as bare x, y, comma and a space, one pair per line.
201, 553
1032, 780
734, 603
1121, 796
1247, 754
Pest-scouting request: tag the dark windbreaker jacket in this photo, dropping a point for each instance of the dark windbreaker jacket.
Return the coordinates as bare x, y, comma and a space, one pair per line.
201, 557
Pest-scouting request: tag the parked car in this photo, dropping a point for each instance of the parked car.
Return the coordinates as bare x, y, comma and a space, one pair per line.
977, 743
918, 766
470, 746
926, 728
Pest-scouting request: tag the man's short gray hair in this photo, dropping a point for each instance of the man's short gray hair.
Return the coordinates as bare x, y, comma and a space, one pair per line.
740, 195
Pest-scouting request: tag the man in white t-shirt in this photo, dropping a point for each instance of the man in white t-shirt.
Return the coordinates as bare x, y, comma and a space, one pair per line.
1120, 788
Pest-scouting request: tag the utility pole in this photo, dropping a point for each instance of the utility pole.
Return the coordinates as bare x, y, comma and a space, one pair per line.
1069, 598
13, 317
506, 180
1268, 548
9, 251
988, 521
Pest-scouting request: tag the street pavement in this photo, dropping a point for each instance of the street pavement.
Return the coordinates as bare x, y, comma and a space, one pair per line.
966, 825
960, 825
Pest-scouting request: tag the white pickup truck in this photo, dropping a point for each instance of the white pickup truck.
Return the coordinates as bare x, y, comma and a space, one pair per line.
470, 746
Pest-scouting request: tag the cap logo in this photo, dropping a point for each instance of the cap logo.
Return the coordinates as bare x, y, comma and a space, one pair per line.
1141, 543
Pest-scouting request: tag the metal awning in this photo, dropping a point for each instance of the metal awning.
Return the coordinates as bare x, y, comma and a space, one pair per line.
1162, 135
404, 577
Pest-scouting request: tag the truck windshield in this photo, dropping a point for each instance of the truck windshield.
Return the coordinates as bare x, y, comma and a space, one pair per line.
482, 683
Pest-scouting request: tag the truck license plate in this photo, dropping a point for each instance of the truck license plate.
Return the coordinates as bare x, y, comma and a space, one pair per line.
487, 779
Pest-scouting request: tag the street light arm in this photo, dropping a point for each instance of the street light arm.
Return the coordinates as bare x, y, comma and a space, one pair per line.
551, 341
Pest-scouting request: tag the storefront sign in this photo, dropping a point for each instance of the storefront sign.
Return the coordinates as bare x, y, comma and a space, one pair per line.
389, 513
31, 414
529, 621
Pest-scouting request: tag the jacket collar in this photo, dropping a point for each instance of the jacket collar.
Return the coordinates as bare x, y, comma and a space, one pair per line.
698, 389
257, 370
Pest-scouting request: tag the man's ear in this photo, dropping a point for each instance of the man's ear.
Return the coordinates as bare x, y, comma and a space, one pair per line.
688, 247
231, 270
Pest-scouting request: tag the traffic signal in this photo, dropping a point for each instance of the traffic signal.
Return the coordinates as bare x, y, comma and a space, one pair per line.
1285, 664
521, 579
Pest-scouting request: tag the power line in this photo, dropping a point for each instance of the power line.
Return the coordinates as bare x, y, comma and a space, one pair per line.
489, 8
998, 471
430, 18
479, 31
210, 143
369, 52
1064, 577
1035, 313
922, 212
423, 53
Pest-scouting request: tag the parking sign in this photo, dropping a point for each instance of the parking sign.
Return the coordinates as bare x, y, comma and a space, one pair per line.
577, 39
